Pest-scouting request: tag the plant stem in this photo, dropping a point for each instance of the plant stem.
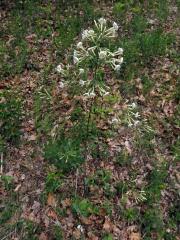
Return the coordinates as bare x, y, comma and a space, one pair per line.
89, 118
92, 102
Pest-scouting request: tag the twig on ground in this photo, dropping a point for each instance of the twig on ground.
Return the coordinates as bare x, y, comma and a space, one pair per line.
77, 173
1, 165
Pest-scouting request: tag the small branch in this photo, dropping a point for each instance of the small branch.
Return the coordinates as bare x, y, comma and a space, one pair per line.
76, 186
1, 165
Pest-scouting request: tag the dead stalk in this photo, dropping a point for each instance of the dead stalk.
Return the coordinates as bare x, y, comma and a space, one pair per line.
1, 165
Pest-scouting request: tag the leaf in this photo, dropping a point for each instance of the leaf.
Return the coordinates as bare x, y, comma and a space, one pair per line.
77, 234
32, 137
86, 221
43, 236
135, 236
52, 214
107, 226
66, 202
51, 201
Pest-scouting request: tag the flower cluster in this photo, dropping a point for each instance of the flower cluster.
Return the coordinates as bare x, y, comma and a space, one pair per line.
101, 31
138, 196
134, 119
94, 49
133, 115
91, 49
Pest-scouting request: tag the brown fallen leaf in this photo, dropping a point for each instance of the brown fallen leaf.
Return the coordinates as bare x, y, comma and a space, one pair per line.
43, 236
92, 236
107, 226
77, 234
51, 201
66, 202
135, 236
52, 214
32, 138
86, 221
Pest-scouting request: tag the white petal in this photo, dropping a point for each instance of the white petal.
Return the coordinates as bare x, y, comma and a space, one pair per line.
102, 21
75, 59
79, 45
81, 71
120, 50
117, 67
81, 82
115, 26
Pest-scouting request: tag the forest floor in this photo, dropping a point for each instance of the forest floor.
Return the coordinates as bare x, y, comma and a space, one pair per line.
126, 188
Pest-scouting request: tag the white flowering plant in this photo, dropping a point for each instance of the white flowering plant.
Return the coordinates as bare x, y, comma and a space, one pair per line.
90, 79
92, 63
134, 120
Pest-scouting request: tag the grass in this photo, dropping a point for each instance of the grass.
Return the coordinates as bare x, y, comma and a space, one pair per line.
83, 207
10, 116
123, 159
64, 154
53, 182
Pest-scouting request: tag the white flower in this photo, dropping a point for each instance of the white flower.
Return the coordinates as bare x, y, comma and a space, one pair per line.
120, 51
92, 49
91, 32
75, 53
130, 125
136, 123
103, 92
136, 115
102, 21
117, 67
81, 71
87, 34
102, 54
75, 59
133, 105
115, 26
106, 93
61, 85
80, 45
121, 60
91, 93
81, 82
110, 33
114, 120
59, 68
84, 34
80, 227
